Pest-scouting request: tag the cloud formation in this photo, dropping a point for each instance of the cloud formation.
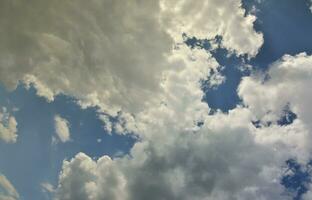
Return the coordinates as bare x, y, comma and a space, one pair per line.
226, 157
62, 128
106, 53
285, 85
128, 58
7, 190
8, 127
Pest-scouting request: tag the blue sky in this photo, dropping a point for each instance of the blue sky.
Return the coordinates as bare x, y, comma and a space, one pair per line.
36, 158
286, 28
34, 155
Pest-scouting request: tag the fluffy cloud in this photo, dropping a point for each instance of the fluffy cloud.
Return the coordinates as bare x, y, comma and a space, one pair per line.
178, 159
110, 54
8, 127
61, 128
219, 161
206, 19
81, 177
106, 53
225, 157
128, 56
7, 190
286, 84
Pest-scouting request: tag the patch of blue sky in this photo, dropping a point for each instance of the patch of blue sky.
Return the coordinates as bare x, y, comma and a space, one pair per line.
223, 97
286, 26
34, 158
296, 178
287, 29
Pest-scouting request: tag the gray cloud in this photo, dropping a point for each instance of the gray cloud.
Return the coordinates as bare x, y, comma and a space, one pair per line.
106, 53
127, 55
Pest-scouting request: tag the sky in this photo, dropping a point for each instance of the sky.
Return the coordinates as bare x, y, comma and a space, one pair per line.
164, 99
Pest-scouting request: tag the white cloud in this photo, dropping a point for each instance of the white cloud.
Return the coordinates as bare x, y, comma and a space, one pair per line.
220, 161
7, 190
108, 127
288, 84
8, 127
62, 128
85, 177
206, 19
226, 158
128, 56
175, 159
110, 54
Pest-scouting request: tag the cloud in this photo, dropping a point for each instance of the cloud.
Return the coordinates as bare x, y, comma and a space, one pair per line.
128, 59
285, 85
206, 19
82, 171
224, 158
62, 128
308, 195
110, 54
7, 190
220, 161
8, 127
47, 187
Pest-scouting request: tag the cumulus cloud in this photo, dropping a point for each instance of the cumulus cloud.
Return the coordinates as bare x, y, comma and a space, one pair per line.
220, 161
206, 19
175, 158
110, 54
226, 157
8, 127
128, 58
286, 84
81, 177
62, 128
7, 190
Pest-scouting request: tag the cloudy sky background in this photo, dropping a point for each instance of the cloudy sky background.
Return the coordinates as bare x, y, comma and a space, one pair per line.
136, 100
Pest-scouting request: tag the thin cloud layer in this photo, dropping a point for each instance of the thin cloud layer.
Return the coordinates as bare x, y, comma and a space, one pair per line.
7, 190
8, 127
62, 128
